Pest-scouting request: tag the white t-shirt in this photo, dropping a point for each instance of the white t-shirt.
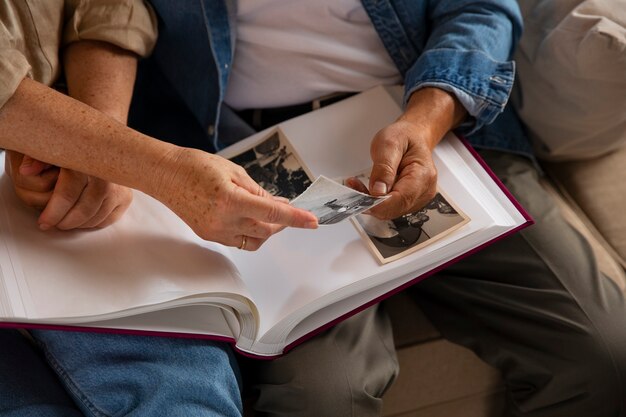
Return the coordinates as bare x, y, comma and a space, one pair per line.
294, 51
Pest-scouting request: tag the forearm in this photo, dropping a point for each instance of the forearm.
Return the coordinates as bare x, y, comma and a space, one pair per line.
51, 127
101, 75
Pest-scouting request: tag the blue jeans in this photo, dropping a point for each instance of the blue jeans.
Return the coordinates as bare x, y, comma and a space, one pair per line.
87, 374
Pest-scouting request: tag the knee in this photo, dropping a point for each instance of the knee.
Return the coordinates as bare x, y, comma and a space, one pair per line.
581, 377
343, 372
324, 390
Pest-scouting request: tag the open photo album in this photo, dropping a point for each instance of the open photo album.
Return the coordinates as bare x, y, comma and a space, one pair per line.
150, 274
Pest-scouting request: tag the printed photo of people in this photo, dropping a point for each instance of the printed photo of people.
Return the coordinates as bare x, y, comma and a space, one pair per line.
393, 239
273, 164
332, 202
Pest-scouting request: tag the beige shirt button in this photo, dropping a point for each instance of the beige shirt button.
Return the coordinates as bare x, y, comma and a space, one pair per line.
211, 130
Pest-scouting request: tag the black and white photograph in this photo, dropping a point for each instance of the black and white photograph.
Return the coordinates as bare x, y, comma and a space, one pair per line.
274, 165
392, 239
332, 202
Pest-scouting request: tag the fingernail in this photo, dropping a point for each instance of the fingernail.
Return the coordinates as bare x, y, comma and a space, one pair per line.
379, 188
311, 225
44, 226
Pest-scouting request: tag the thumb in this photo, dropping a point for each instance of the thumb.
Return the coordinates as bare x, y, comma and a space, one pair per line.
386, 161
30, 166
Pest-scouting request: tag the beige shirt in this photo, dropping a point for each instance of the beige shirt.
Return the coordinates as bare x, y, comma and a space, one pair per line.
33, 31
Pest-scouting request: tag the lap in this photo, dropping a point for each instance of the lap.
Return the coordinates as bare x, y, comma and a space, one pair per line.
341, 372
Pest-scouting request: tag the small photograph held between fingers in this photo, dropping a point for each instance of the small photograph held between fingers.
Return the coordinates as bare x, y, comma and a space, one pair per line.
332, 202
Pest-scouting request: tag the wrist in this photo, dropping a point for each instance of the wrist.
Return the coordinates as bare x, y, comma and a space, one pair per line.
434, 112
162, 167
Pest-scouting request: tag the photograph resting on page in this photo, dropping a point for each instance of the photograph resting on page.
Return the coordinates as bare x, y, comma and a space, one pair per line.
393, 239
274, 165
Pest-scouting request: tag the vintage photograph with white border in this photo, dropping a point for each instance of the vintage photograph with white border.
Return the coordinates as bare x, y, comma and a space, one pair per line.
393, 239
273, 163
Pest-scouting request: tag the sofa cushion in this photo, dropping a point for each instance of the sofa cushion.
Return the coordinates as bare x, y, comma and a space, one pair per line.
438, 377
598, 188
572, 76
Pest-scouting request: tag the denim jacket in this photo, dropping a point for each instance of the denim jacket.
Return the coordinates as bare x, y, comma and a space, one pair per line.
462, 46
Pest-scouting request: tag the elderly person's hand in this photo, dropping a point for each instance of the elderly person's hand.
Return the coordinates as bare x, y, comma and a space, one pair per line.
221, 203
402, 153
69, 199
